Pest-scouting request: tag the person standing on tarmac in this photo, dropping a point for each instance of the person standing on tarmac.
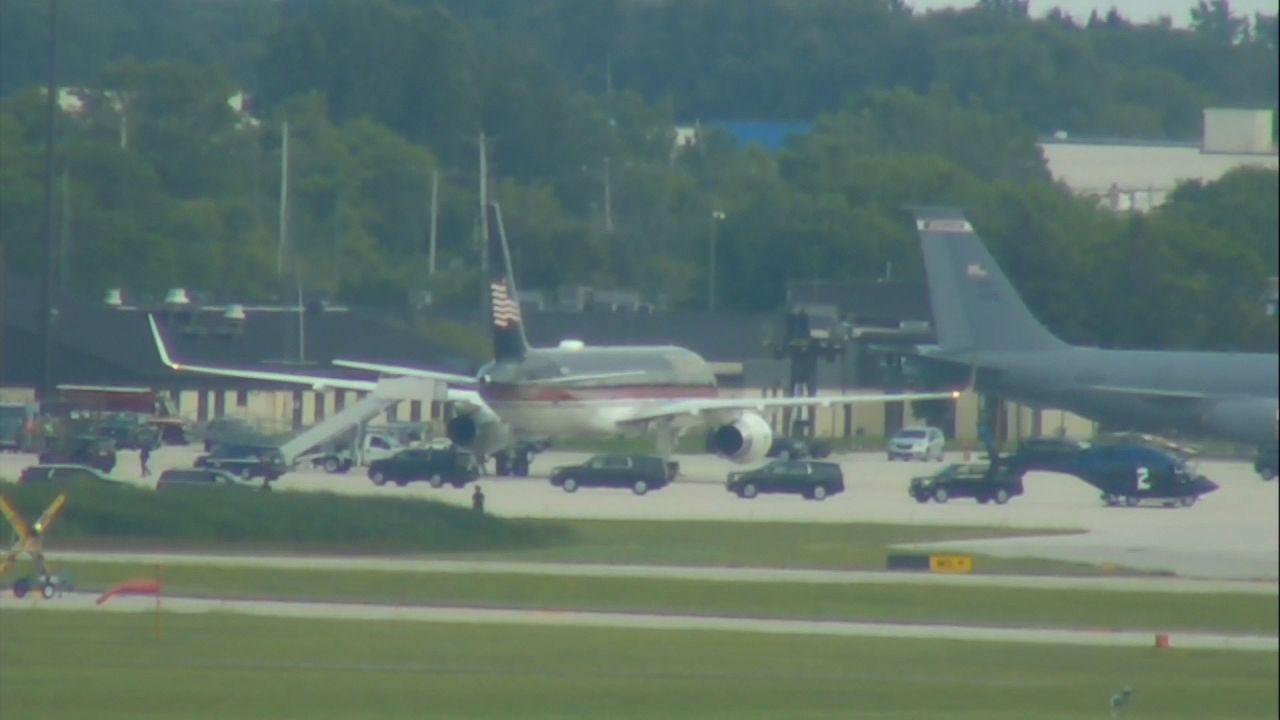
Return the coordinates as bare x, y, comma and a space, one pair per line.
144, 457
477, 500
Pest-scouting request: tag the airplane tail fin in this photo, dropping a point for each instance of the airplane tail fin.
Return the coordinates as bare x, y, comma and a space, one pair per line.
975, 308
509, 341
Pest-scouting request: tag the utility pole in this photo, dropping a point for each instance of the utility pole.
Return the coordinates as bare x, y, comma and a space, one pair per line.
716, 217
64, 235
302, 317
484, 224
51, 117
435, 208
608, 200
283, 233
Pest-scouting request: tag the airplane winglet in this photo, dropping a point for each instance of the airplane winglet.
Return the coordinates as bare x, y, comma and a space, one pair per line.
160, 346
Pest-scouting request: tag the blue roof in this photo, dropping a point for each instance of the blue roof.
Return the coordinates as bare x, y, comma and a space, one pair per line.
770, 135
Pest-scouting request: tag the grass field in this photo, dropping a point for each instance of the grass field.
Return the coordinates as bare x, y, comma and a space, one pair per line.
772, 544
193, 519
80, 665
98, 514
880, 602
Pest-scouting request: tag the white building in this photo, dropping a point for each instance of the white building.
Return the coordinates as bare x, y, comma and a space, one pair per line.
1131, 175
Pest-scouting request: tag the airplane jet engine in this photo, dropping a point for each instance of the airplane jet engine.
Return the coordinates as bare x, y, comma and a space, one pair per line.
745, 440
1253, 418
482, 432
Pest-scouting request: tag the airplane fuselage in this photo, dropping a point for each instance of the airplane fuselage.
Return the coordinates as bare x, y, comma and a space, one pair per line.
1228, 395
612, 383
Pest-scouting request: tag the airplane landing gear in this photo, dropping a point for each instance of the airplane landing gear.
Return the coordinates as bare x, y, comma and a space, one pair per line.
514, 462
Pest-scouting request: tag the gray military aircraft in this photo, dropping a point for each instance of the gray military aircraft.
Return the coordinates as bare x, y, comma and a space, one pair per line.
982, 323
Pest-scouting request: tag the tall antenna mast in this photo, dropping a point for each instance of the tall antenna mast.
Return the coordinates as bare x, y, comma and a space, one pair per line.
281, 240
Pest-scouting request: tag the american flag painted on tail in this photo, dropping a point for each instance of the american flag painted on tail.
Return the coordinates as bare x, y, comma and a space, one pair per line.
506, 311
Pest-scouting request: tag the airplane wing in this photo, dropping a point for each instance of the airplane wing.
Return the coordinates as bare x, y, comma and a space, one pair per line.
712, 407
469, 381
451, 378
567, 379
316, 382
1148, 392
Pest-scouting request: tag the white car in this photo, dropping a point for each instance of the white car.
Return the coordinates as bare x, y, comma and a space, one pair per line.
919, 443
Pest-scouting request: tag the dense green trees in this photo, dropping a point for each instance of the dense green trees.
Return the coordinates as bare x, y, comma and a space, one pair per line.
168, 184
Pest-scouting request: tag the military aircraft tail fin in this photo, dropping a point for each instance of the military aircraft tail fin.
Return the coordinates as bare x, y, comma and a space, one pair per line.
975, 308
509, 341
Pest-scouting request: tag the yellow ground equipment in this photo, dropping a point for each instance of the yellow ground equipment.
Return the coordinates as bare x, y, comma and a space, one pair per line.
29, 541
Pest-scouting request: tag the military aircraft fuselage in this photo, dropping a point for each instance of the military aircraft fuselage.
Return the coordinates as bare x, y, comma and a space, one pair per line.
1227, 395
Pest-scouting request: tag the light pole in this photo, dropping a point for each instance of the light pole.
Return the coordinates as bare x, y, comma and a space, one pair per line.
716, 217
47, 309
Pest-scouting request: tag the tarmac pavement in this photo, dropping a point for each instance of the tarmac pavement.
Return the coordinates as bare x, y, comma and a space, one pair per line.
1233, 533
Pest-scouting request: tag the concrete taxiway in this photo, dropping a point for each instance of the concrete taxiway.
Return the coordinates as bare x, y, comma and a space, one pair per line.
559, 618
1231, 534
662, 572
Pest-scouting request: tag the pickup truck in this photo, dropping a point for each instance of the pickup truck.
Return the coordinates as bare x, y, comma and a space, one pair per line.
339, 458
641, 473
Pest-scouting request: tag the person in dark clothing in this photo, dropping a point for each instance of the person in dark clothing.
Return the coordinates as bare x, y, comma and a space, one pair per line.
144, 457
477, 500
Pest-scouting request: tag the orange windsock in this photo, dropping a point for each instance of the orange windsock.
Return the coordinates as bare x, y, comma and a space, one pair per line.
137, 586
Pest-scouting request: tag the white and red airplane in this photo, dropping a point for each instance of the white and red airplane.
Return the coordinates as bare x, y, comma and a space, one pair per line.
575, 390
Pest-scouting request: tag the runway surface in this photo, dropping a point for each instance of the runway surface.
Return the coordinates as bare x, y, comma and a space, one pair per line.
351, 611
1231, 534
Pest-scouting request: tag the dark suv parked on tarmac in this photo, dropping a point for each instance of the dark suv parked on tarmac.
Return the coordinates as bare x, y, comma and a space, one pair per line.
1267, 463
812, 479
975, 480
204, 477
438, 466
641, 473
63, 474
247, 461
90, 450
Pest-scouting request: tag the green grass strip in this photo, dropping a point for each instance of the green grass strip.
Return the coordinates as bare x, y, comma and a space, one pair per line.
875, 602
67, 665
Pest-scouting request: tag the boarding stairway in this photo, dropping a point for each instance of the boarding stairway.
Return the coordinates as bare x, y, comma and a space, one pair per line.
386, 393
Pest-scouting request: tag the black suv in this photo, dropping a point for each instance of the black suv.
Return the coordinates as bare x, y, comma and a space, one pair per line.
247, 461
63, 473
204, 477
1267, 463
641, 473
91, 450
129, 432
812, 479
437, 466
975, 480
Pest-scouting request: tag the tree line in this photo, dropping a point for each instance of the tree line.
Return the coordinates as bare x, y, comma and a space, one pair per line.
162, 182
